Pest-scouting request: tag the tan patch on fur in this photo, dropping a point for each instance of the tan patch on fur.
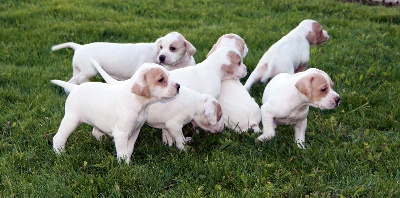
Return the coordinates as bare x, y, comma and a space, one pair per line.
316, 36
240, 43
234, 59
314, 86
218, 110
151, 77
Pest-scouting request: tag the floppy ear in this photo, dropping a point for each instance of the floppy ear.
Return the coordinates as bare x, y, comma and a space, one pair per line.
141, 88
158, 43
210, 112
190, 49
304, 85
313, 35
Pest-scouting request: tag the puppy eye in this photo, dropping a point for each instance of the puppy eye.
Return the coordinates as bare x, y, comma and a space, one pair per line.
240, 63
160, 47
323, 89
172, 48
161, 80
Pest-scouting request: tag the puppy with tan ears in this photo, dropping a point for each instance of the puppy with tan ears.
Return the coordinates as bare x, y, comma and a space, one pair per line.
116, 110
121, 61
287, 98
290, 54
201, 110
241, 112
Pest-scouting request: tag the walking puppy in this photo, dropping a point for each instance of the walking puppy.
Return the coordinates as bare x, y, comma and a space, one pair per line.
290, 54
189, 106
241, 112
312, 87
121, 61
117, 110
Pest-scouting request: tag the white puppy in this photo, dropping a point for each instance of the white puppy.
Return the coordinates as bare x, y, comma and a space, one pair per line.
117, 110
287, 98
206, 77
121, 61
189, 106
241, 112
290, 54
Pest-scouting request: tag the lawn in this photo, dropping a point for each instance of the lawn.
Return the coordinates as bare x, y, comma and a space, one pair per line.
352, 151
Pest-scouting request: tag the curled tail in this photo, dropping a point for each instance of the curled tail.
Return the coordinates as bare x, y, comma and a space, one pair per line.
68, 87
103, 73
72, 45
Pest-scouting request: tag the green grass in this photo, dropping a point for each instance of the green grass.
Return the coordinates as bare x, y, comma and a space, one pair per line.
351, 151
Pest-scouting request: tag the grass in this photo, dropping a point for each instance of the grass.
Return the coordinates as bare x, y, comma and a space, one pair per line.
352, 151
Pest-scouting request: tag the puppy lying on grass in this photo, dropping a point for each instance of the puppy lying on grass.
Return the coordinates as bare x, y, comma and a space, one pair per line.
117, 110
287, 98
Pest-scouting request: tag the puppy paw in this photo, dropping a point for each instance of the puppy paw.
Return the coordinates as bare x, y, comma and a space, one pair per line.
263, 138
188, 139
300, 145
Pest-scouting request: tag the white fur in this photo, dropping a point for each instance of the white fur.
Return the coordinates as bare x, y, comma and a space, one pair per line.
171, 116
116, 110
241, 112
289, 55
121, 61
284, 103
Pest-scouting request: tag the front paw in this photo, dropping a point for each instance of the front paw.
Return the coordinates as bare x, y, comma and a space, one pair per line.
300, 145
263, 138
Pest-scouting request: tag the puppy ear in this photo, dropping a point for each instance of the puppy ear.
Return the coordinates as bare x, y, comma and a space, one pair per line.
141, 88
314, 36
190, 49
211, 112
304, 85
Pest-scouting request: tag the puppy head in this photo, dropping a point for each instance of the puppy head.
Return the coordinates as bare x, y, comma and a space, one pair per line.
231, 40
230, 62
152, 80
173, 48
316, 85
210, 117
314, 32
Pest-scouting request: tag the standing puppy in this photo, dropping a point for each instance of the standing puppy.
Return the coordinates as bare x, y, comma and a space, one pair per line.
121, 61
241, 112
189, 106
287, 98
290, 54
117, 110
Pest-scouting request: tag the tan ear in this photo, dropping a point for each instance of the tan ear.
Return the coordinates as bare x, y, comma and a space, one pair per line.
314, 36
304, 85
211, 112
190, 49
218, 110
141, 88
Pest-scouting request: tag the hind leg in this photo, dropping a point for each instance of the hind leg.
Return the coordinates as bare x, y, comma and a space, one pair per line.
67, 126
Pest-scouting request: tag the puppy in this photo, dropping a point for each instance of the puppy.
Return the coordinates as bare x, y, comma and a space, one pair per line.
241, 112
117, 110
287, 98
121, 61
189, 106
223, 64
290, 54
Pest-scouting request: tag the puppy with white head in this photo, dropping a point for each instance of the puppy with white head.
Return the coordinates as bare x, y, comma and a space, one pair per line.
290, 54
188, 107
312, 87
117, 110
121, 61
241, 112
206, 77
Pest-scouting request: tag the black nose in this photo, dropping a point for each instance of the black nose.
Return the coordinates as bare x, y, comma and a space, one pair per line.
162, 58
337, 100
177, 87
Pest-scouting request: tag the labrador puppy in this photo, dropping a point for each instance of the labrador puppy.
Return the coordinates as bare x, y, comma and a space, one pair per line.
287, 98
290, 54
121, 61
117, 110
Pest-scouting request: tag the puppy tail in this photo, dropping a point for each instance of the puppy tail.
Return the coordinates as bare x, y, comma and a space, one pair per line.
68, 87
103, 73
72, 45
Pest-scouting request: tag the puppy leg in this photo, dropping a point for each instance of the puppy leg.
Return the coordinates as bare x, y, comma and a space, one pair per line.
131, 143
97, 133
269, 125
121, 145
300, 133
176, 133
67, 126
167, 138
